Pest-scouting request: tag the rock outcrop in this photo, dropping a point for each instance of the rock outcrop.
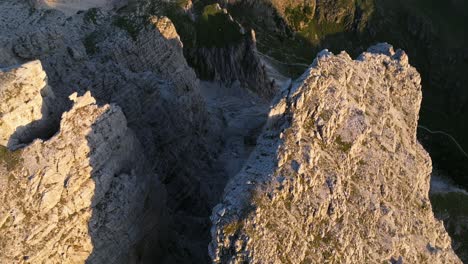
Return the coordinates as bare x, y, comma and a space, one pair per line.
86, 194
216, 45
236, 62
338, 174
26, 109
137, 64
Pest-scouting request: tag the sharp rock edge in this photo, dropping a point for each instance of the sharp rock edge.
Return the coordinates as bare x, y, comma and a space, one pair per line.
338, 174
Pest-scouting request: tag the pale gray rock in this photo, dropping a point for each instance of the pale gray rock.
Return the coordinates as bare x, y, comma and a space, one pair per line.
236, 62
79, 195
157, 48
157, 92
26, 103
338, 174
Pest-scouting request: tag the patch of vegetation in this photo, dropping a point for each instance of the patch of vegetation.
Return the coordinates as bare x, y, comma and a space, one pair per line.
342, 145
182, 3
90, 43
91, 16
132, 26
364, 10
10, 159
309, 125
215, 29
315, 31
326, 115
231, 228
211, 10
299, 16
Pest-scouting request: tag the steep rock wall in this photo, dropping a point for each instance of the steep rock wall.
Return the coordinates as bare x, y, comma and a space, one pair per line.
86, 194
140, 66
338, 174
26, 98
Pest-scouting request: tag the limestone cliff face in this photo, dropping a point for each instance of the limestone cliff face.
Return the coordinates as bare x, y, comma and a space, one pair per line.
157, 48
215, 45
145, 73
26, 98
80, 194
236, 62
338, 174
132, 169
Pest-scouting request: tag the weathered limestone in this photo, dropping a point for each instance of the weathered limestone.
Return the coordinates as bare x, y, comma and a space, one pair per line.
26, 98
338, 174
79, 195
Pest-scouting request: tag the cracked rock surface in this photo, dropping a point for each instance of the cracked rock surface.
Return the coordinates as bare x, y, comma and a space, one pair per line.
77, 196
338, 174
113, 151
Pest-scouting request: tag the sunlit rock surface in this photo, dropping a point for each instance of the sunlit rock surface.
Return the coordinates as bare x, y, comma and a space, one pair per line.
26, 98
338, 174
79, 195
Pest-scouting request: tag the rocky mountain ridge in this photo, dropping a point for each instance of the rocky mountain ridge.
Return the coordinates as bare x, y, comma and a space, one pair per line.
145, 73
338, 174
27, 104
122, 153
431, 32
77, 196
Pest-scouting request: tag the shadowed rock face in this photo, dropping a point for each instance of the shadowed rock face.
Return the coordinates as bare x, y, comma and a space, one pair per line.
79, 195
338, 174
215, 45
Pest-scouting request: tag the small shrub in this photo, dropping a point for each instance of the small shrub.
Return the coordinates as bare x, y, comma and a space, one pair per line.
10, 159
91, 16
90, 43
298, 16
131, 26
343, 146
232, 228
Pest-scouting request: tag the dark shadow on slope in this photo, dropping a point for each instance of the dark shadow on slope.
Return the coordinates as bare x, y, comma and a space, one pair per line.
451, 207
181, 163
217, 47
128, 201
43, 129
248, 185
